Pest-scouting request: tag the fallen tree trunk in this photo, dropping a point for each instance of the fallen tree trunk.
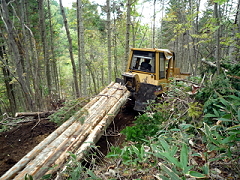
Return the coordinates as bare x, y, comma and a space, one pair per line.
54, 150
215, 66
35, 114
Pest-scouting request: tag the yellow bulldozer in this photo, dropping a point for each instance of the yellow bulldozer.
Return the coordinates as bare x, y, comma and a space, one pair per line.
148, 72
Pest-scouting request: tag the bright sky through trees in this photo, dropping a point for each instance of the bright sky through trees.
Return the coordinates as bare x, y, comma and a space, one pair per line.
147, 9
68, 3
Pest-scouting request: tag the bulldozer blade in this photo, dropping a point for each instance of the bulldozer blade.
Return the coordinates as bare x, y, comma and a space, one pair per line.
145, 94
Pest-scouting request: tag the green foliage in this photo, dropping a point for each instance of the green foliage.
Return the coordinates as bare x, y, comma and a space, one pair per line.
220, 1
146, 125
28, 177
8, 123
225, 109
221, 101
176, 154
194, 110
131, 155
181, 149
3, 128
75, 170
220, 138
233, 73
168, 139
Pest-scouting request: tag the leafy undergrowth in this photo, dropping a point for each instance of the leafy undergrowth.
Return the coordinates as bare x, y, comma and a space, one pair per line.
183, 137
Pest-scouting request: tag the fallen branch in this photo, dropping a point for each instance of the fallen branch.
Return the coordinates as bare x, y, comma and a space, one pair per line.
215, 66
35, 114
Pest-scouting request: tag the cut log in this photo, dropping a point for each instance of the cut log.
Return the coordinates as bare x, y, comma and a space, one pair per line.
100, 128
35, 114
97, 132
87, 123
86, 130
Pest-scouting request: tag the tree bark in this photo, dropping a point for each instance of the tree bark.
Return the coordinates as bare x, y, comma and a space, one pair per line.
93, 75
217, 37
55, 74
7, 80
154, 21
127, 39
14, 46
81, 50
109, 38
237, 30
70, 50
45, 45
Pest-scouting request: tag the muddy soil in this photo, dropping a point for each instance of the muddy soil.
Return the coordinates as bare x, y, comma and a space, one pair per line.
17, 142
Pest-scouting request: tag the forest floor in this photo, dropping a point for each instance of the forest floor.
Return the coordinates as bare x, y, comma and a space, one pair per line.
20, 140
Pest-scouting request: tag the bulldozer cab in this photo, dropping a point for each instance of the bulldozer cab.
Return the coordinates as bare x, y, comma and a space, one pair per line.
148, 72
160, 61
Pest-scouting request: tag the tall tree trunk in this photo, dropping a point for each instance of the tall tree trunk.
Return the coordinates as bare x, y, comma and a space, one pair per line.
53, 57
7, 80
14, 46
127, 39
81, 50
109, 41
190, 55
236, 50
154, 21
25, 44
34, 62
196, 46
102, 73
217, 37
70, 50
115, 51
45, 45
92, 72
161, 27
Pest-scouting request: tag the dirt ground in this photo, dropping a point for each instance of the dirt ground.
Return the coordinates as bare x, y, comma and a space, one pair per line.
20, 140
17, 142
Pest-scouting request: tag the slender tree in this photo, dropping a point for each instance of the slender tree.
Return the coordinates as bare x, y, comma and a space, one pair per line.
70, 50
154, 21
14, 45
81, 50
45, 44
109, 38
7, 79
127, 39
217, 36
237, 30
53, 61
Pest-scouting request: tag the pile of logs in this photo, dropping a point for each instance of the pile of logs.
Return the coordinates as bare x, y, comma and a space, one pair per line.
75, 135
